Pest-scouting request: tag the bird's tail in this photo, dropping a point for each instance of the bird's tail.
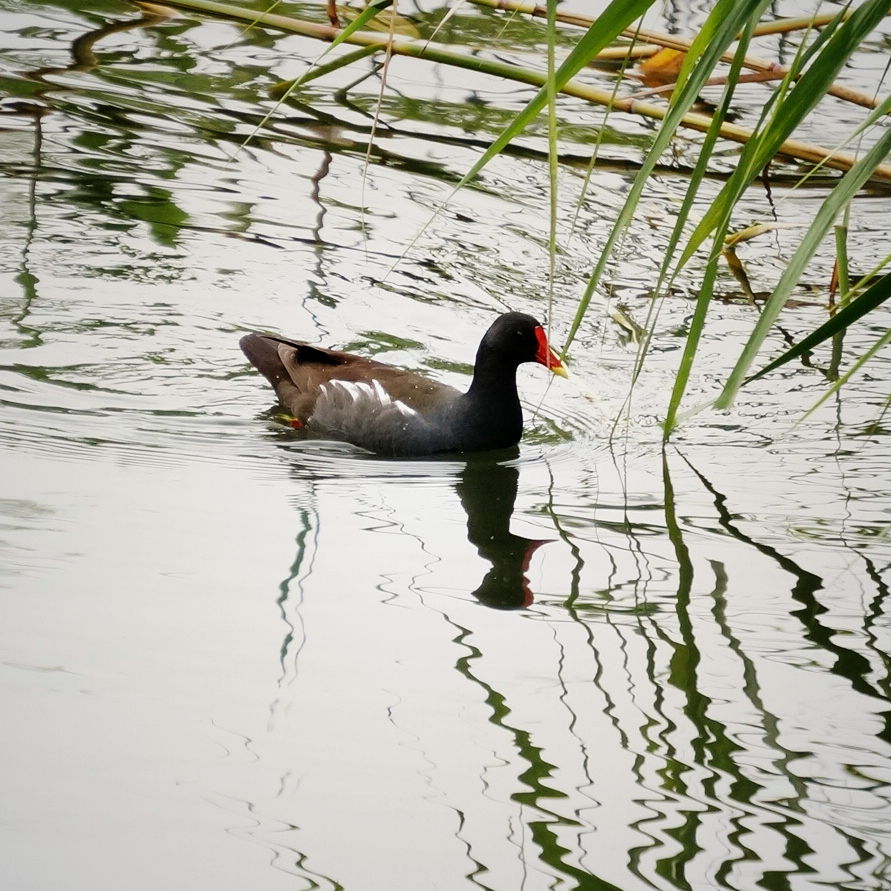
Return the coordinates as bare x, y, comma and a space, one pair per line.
263, 354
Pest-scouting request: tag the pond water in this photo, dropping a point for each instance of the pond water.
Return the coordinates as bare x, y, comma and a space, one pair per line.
234, 659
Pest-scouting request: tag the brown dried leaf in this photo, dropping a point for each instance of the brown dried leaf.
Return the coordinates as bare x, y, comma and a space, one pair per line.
662, 68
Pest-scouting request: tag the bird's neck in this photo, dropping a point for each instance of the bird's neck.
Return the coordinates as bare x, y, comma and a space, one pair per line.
493, 379
490, 408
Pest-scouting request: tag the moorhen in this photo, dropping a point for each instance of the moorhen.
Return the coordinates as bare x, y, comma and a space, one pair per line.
391, 411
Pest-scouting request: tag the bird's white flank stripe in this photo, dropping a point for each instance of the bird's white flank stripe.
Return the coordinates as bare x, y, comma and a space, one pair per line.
360, 391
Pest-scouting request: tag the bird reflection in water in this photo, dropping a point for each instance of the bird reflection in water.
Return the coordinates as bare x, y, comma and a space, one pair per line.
488, 491
487, 488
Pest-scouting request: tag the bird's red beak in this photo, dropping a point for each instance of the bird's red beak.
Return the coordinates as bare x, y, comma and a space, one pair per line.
546, 356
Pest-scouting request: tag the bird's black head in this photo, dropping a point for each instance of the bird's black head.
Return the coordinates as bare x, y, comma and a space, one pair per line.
516, 337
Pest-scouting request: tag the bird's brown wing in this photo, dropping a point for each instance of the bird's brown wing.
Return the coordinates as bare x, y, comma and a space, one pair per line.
298, 371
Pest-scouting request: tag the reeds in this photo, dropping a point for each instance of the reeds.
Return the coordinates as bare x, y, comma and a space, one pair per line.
717, 55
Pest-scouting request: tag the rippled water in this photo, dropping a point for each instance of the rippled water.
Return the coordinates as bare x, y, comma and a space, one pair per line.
232, 658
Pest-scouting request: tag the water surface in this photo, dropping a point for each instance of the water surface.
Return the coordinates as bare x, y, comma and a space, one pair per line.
232, 658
